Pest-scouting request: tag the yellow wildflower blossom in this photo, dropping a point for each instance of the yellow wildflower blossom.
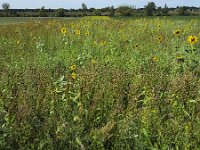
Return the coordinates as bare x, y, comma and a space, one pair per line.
192, 39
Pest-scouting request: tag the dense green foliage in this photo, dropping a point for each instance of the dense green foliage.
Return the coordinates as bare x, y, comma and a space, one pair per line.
6, 7
124, 10
100, 83
150, 8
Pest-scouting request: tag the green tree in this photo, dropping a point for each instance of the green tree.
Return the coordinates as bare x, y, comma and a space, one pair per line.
6, 7
182, 11
84, 7
159, 11
124, 11
97, 12
165, 10
112, 11
150, 8
42, 12
60, 12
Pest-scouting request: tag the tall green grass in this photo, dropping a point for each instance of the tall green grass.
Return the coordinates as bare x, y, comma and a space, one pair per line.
132, 90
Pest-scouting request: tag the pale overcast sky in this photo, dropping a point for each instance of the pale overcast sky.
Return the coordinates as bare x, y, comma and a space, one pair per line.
95, 3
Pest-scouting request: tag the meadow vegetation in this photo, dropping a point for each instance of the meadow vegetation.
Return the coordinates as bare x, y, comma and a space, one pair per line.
100, 83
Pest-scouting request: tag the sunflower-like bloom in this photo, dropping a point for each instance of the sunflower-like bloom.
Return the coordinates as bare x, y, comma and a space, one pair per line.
160, 38
73, 67
63, 30
78, 32
73, 76
177, 32
192, 39
87, 33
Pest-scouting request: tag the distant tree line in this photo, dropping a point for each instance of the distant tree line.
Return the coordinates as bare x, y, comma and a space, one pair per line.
149, 10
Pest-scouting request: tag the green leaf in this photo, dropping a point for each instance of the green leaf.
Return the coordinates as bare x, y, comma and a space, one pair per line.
77, 96
61, 78
145, 132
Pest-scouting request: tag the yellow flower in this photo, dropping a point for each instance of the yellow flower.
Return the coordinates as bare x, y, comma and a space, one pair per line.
177, 32
87, 33
63, 30
73, 76
192, 39
155, 59
77, 32
73, 67
160, 38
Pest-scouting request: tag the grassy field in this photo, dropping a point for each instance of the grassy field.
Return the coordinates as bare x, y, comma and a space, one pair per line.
15, 20
100, 83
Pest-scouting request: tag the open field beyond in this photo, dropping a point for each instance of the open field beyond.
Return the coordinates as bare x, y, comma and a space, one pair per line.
100, 83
